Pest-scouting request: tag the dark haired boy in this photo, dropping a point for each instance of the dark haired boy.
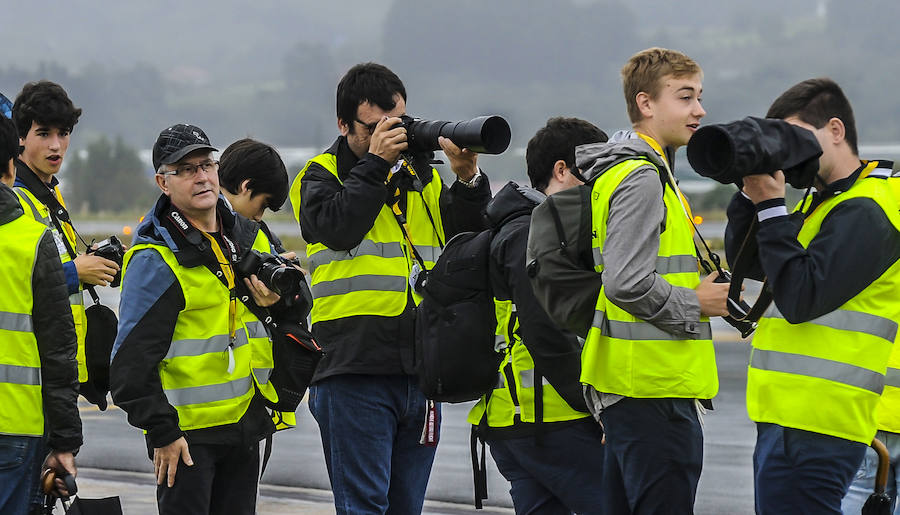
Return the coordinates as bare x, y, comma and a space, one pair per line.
821, 352
541, 436
45, 117
38, 374
368, 215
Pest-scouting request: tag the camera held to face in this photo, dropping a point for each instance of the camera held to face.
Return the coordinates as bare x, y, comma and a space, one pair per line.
111, 249
484, 135
276, 272
728, 152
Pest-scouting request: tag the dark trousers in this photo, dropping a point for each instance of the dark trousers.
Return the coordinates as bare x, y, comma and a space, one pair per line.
796, 471
559, 474
223, 480
654, 455
370, 427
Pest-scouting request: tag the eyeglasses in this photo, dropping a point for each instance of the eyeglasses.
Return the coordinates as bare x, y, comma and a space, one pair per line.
369, 127
187, 171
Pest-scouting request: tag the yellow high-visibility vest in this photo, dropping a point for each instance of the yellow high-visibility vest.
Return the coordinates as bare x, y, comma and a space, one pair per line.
827, 375
373, 277
628, 356
41, 213
20, 363
195, 372
507, 401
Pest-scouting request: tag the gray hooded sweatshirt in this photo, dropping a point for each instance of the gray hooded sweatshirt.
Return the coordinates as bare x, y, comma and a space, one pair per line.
637, 216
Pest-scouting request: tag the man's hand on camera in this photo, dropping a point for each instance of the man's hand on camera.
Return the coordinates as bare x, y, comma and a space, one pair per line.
95, 269
290, 256
463, 161
712, 296
388, 141
263, 296
762, 187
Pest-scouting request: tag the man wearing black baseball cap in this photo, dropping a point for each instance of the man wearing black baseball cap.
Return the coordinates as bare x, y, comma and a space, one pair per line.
191, 362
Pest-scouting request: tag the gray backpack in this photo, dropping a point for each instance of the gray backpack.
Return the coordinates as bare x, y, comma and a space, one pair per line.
559, 259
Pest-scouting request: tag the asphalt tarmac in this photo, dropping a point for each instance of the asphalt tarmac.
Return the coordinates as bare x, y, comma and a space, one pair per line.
296, 480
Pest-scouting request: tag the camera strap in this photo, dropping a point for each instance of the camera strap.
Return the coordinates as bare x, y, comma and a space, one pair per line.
742, 322
227, 271
400, 216
58, 215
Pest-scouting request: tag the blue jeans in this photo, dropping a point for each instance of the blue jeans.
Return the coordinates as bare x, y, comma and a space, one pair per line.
370, 427
20, 463
654, 455
796, 471
864, 483
561, 474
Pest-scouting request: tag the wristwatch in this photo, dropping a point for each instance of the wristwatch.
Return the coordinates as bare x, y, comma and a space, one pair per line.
473, 182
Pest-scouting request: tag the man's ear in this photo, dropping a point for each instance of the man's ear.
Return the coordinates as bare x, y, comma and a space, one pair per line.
161, 182
559, 170
344, 127
644, 101
837, 132
242, 187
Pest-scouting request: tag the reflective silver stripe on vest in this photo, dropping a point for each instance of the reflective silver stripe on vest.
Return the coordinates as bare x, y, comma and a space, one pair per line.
257, 329
365, 248
836, 371
884, 173
846, 320
598, 257
34, 211
199, 347
526, 379
16, 322
76, 299
16, 374
638, 331
428, 253
499, 342
892, 378
262, 374
676, 264
209, 393
500, 382
359, 283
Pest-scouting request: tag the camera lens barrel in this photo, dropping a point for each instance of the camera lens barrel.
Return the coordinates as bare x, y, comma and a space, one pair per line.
484, 134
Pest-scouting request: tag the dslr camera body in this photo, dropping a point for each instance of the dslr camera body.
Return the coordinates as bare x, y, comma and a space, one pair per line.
111, 249
279, 275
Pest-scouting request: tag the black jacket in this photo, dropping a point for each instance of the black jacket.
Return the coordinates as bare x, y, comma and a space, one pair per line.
339, 214
855, 245
151, 301
54, 330
556, 353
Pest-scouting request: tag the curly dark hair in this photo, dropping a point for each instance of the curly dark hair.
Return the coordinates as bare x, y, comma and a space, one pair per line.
367, 82
47, 104
9, 143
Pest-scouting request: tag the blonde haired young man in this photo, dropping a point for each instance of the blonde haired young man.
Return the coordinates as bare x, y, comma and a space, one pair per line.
649, 354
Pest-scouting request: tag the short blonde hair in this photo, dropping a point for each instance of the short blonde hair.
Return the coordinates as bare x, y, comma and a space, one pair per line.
644, 70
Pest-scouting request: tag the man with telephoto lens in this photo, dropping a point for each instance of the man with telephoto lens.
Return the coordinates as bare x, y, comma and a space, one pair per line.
820, 353
369, 216
191, 362
38, 372
649, 358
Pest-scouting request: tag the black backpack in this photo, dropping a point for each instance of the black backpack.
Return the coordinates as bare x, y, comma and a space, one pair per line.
559, 259
456, 359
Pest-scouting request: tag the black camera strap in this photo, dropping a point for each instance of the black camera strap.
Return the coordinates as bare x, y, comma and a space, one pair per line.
742, 264
400, 216
58, 215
